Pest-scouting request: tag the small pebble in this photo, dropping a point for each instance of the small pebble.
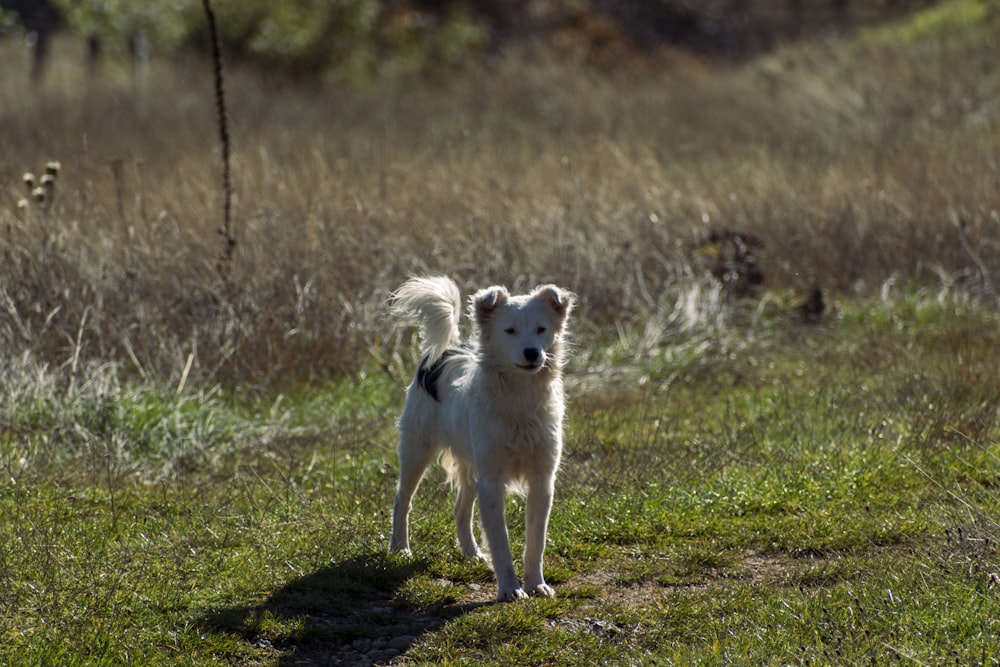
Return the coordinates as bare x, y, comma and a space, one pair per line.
401, 643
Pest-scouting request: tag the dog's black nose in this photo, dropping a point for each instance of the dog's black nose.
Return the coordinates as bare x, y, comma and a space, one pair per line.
531, 354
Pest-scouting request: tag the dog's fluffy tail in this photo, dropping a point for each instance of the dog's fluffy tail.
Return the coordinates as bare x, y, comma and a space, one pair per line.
435, 304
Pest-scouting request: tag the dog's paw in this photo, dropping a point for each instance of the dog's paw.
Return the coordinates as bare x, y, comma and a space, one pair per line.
475, 553
543, 591
401, 551
511, 594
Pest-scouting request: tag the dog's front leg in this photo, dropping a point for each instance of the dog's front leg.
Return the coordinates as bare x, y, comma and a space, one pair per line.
536, 521
491, 508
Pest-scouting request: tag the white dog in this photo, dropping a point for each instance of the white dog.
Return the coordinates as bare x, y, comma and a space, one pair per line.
494, 406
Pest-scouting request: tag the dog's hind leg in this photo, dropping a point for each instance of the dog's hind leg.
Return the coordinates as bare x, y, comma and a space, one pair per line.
536, 521
464, 505
415, 454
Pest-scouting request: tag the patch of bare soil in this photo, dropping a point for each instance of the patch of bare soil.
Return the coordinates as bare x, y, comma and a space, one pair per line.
369, 627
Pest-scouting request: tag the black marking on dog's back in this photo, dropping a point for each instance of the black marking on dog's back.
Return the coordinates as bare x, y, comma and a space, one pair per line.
428, 376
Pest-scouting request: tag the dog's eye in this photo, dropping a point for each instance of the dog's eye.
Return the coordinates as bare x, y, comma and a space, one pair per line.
510, 331
541, 330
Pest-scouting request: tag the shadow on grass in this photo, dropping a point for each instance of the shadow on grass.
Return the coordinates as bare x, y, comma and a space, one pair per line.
347, 613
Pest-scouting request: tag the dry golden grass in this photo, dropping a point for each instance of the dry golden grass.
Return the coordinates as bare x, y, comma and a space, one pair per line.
855, 162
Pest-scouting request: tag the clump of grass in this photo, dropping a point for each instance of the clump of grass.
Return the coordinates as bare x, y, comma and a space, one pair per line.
109, 428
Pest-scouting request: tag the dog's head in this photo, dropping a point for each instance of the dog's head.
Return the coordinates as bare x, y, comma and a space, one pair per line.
522, 332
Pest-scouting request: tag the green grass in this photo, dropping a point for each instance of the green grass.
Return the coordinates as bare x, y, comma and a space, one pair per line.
942, 19
791, 494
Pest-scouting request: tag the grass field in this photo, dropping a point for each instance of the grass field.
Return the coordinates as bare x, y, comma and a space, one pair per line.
782, 494
198, 460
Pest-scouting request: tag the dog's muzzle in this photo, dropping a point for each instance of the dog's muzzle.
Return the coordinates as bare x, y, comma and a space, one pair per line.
534, 359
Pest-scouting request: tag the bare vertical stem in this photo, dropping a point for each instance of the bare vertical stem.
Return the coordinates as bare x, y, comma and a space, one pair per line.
229, 243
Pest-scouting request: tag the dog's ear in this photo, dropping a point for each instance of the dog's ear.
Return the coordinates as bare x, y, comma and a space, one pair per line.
559, 300
486, 301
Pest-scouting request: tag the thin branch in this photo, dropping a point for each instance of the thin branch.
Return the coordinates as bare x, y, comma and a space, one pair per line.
229, 243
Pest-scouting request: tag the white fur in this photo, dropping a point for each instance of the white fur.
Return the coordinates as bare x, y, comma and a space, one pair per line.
498, 416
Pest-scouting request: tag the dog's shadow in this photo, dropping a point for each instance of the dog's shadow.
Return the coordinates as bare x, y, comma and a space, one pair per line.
345, 613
